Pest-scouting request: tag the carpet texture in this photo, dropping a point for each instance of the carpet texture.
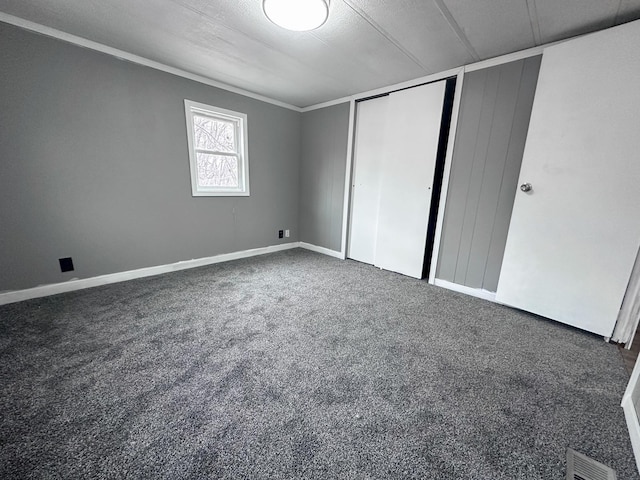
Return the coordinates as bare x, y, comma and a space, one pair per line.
297, 365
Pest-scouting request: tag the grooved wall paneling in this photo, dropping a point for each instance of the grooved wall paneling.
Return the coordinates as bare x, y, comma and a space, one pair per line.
322, 171
494, 117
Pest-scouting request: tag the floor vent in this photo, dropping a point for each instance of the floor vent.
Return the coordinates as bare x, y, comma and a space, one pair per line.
581, 467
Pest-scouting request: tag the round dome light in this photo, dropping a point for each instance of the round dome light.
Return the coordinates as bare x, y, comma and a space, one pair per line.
297, 15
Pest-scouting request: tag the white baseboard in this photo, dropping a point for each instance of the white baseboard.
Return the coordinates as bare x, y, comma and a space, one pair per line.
71, 285
323, 250
474, 292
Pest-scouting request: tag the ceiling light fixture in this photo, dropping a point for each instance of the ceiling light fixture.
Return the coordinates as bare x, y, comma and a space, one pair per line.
297, 15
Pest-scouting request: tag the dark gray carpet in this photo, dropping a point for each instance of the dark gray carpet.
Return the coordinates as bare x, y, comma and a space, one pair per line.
296, 365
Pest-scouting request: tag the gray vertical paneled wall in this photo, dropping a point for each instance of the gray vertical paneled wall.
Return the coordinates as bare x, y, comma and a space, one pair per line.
322, 173
492, 127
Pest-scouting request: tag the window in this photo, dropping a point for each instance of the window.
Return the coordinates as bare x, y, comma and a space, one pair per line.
217, 141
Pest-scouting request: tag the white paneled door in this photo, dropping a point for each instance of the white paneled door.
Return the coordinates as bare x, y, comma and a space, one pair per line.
575, 233
395, 154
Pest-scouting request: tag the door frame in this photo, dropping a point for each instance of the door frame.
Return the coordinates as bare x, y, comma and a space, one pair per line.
458, 74
346, 215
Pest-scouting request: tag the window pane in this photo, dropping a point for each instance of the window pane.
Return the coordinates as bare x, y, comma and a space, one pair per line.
214, 134
217, 170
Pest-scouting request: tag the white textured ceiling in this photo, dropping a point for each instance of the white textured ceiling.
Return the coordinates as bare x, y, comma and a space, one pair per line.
365, 44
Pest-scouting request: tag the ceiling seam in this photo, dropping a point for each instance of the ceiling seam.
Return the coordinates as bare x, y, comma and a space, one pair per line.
271, 47
346, 56
456, 29
385, 34
534, 21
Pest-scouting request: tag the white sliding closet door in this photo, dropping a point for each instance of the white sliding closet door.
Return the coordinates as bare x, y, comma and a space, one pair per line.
411, 145
574, 236
368, 155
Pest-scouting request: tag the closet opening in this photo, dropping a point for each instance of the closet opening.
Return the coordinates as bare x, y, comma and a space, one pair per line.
400, 144
445, 126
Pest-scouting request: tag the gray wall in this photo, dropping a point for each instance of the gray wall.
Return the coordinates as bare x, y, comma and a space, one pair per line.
492, 127
94, 165
322, 174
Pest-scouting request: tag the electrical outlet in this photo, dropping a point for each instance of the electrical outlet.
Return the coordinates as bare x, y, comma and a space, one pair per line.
287, 233
66, 264
280, 234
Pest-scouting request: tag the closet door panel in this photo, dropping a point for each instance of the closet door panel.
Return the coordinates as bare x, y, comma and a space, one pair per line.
365, 198
411, 145
573, 238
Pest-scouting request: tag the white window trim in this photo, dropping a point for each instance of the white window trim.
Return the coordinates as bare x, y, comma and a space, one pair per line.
242, 190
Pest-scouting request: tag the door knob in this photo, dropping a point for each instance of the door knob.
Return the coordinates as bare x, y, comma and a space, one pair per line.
526, 187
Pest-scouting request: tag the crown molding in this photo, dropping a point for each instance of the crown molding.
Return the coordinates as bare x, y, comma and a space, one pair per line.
330, 103
130, 57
